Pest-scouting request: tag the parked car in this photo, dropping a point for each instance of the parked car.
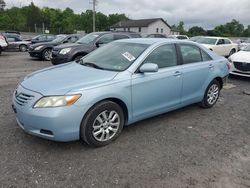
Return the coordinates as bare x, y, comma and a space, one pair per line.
16, 42
156, 35
3, 43
43, 50
13, 32
181, 37
116, 85
240, 62
220, 45
42, 38
71, 52
244, 43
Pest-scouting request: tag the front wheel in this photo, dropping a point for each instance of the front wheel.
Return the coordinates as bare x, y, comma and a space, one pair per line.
47, 54
102, 124
211, 95
232, 52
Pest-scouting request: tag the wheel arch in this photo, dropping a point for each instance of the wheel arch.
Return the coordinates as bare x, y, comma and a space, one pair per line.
79, 53
219, 79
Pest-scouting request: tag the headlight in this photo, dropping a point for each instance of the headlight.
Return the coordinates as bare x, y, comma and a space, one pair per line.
56, 101
65, 51
38, 47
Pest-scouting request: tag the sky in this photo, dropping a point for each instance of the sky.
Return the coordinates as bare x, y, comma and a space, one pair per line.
207, 14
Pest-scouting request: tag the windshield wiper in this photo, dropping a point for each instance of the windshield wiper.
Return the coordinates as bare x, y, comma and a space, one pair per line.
90, 64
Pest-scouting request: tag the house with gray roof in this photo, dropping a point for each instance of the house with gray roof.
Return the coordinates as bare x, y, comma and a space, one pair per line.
144, 26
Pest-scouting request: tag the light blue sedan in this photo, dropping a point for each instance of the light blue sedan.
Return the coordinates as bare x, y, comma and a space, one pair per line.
116, 85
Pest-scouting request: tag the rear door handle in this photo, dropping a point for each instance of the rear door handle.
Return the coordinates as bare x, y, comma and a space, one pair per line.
177, 73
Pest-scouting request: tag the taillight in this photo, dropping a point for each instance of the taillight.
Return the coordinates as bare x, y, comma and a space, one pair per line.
228, 65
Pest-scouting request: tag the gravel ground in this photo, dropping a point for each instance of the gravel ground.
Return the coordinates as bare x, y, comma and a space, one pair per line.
190, 147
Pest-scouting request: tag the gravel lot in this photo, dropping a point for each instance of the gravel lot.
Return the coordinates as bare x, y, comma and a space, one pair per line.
190, 147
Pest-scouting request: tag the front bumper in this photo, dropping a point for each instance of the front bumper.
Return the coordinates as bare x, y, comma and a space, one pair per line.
59, 58
58, 124
240, 70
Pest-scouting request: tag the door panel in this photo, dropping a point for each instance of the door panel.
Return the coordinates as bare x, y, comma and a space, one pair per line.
154, 93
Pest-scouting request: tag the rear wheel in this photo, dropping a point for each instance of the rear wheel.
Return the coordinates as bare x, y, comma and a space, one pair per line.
23, 48
211, 95
47, 54
102, 124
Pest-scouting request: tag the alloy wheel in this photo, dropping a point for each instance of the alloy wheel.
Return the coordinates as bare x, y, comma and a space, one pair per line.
106, 125
213, 94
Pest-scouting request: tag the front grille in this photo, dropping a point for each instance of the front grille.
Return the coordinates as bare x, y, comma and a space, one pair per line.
23, 98
242, 66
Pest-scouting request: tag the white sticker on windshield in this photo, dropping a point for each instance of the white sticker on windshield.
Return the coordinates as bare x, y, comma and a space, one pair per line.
128, 56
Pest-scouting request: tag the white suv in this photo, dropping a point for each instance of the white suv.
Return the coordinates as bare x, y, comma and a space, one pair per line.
3, 43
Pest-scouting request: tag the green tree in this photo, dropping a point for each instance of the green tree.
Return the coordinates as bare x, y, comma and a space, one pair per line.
196, 31
180, 28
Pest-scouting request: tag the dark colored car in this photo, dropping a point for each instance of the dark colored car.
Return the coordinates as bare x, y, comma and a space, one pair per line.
42, 38
70, 52
14, 32
16, 42
43, 50
156, 36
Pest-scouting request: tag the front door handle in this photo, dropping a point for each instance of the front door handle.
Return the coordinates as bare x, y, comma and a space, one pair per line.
177, 73
211, 66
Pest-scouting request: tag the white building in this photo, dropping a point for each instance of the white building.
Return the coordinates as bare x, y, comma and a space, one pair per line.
144, 26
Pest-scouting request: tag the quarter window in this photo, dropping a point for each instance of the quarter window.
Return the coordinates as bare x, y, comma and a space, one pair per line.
205, 56
163, 56
190, 54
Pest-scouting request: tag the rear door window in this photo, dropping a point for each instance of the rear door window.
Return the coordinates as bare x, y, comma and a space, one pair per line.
120, 36
190, 53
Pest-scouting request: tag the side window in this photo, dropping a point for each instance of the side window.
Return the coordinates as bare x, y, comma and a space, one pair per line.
50, 37
220, 42
72, 39
190, 54
120, 36
227, 41
205, 56
163, 56
106, 39
42, 38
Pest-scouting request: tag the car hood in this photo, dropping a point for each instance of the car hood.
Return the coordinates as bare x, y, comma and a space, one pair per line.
61, 79
241, 56
44, 44
71, 45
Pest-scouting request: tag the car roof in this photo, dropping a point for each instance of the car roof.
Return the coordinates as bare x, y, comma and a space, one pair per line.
216, 37
151, 41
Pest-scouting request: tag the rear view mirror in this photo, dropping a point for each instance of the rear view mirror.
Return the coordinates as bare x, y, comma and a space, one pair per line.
149, 67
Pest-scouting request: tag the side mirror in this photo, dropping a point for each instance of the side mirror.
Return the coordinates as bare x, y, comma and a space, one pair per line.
99, 43
148, 67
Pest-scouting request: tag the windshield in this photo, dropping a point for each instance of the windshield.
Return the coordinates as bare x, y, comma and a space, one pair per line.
116, 56
207, 41
247, 48
88, 38
59, 39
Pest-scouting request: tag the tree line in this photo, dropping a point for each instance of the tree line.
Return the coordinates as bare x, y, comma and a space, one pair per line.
230, 29
31, 17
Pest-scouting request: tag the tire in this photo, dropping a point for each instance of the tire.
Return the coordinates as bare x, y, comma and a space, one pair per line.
232, 52
103, 133
47, 54
78, 57
23, 48
211, 95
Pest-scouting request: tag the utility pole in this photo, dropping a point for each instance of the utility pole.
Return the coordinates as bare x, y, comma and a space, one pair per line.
94, 5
